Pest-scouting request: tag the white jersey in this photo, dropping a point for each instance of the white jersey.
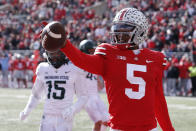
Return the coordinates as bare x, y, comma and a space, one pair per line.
58, 85
95, 107
88, 81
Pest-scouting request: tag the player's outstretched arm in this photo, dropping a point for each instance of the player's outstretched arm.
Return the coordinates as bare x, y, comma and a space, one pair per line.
161, 110
33, 99
31, 104
90, 63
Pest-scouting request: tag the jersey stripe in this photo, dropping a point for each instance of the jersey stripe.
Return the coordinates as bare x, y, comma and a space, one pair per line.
164, 64
165, 61
101, 53
102, 48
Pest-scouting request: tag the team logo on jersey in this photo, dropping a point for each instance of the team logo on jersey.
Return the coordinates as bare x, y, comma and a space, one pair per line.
149, 61
121, 57
57, 77
136, 58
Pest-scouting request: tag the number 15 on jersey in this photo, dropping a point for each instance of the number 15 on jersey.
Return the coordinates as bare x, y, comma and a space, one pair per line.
56, 86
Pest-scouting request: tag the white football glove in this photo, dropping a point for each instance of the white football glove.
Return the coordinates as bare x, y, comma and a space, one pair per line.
23, 115
68, 113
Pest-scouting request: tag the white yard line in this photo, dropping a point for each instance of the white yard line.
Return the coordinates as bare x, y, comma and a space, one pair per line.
182, 106
181, 98
13, 96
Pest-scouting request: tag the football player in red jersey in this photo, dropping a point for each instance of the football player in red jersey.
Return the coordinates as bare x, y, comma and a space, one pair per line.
19, 70
133, 76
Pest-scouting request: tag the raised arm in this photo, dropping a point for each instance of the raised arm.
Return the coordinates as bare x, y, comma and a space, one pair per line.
90, 63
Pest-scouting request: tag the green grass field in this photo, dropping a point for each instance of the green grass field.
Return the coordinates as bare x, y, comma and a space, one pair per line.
12, 101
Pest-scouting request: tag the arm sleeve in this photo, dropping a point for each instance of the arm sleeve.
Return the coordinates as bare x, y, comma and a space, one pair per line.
79, 104
34, 97
82, 96
32, 103
161, 110
90, 63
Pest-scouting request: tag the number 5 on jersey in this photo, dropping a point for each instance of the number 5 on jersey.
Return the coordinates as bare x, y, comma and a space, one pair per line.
135, 80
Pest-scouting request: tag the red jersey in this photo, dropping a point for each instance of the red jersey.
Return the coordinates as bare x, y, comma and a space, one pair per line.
133, 81
19, 65
183, 67
29, 64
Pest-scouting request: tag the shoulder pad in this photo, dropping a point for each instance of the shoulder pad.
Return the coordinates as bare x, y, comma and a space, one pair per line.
41, 67
102, 49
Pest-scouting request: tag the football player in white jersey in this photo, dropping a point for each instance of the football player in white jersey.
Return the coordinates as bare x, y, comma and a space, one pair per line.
95, 107
58, 79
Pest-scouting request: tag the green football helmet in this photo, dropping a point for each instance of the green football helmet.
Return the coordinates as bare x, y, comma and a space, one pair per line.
87, 46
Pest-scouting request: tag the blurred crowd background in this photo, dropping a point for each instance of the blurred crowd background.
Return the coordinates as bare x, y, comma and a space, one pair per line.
172, 31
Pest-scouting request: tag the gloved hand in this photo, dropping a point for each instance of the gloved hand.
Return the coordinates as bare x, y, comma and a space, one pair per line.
23, 115
68, 113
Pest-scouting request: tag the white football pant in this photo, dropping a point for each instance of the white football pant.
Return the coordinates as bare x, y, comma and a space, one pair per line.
96, 109
55, 123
